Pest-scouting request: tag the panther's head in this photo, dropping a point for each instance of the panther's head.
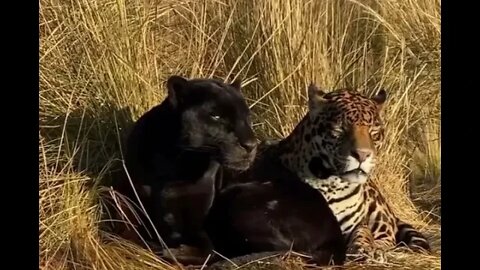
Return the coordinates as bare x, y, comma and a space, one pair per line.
214, 118
346, 130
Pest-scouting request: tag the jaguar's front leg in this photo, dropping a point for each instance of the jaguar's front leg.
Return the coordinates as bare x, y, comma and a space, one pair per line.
361, 246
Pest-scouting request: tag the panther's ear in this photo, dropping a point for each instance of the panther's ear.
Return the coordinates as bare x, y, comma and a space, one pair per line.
315, 96
176, 87
380, 98
237, 84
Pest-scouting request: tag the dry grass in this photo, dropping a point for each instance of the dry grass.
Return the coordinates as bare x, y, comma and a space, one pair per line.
103, 63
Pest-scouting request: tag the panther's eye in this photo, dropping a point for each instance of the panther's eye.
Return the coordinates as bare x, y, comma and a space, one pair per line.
215, 117
336, 131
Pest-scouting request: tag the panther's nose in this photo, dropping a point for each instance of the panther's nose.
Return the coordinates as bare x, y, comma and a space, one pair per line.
362, 154
249, 145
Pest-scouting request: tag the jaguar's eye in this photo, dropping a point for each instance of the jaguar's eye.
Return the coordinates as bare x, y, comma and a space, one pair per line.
376, 134
215, 117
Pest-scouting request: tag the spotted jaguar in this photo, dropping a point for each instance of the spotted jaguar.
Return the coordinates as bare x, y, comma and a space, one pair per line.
333, 149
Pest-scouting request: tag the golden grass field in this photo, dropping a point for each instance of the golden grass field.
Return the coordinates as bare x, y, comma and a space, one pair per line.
104, 62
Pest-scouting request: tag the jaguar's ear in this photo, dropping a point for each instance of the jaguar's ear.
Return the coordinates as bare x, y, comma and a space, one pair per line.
237, 84
315, 97
380, 98
177, 87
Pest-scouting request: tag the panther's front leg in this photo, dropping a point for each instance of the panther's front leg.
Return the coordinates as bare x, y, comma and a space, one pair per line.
361, 245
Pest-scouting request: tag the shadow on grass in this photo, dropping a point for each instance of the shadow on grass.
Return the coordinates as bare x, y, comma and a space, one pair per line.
91, 143
426, 196
90, 140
